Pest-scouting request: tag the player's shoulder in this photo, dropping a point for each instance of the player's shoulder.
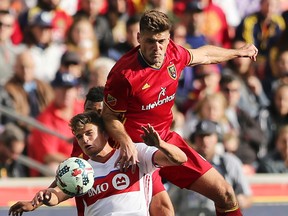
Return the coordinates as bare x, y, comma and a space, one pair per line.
175, 51
127, 60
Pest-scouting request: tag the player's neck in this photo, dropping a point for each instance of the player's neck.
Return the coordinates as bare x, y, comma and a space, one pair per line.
104, 155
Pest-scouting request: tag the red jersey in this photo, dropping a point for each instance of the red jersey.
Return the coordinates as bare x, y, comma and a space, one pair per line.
145, 94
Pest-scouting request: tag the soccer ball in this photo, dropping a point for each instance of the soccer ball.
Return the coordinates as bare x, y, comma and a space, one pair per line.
75, 176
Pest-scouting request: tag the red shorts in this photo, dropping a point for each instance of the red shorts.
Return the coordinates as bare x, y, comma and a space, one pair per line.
184, 175
157, 183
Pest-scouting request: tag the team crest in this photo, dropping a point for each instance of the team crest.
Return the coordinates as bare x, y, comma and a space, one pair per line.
111, 100
172, 71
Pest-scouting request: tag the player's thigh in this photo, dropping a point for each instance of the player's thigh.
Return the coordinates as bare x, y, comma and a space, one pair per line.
184, 175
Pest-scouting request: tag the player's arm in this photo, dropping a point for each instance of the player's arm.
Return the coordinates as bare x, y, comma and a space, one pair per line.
210, 54
169, 155
115, 129
27, 206
49, 197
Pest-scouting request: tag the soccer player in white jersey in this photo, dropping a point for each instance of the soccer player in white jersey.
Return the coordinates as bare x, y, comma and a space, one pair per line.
125, 193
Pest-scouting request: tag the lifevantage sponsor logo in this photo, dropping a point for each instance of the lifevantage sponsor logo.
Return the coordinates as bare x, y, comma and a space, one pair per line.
162, 99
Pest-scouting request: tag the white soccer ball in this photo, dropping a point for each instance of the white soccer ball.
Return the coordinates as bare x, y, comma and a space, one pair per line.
75, 176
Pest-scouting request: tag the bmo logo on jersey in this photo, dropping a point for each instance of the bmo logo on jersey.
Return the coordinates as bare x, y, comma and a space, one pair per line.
162, 99
120, 181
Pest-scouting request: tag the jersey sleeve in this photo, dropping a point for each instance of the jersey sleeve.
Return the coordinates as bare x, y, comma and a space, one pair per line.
145, 156
116, 91
185, 56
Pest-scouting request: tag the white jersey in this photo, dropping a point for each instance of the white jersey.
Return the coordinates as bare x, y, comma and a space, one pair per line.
121, 193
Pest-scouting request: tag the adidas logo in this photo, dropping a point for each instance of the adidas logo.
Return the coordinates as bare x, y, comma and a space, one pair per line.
146, 86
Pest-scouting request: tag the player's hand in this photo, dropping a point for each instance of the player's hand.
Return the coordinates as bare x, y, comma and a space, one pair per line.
150, 136
128, 157
249, 50
20, 207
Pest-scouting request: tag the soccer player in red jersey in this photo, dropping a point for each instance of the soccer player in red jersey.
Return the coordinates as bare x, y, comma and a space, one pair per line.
141, 89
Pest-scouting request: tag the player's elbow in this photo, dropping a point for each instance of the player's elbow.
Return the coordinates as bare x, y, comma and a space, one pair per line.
181, 159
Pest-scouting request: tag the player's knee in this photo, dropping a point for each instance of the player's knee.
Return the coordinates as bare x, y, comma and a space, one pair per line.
228, 198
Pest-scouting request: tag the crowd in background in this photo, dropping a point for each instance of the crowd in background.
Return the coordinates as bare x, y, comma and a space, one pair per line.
53, 51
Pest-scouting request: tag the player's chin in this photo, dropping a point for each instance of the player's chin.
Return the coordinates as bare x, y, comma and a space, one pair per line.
90, 151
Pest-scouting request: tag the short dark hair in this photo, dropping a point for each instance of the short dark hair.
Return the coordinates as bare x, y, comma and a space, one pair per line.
133, 20
95, 94
11, 134
90, 117
228, 78
155, 21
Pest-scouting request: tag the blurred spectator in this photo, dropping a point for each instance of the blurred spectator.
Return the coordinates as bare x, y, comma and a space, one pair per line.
45, 51
6, 102
185, 83
7, 49
252, 96
275, 116
165, 6
117, 16
12, 144
281, 69
204, 140
262, 28
285, 16
215, 27
247, 7
206, 82
47, 148
132, 29
178, 120
30, 95
91, 9
193, 19
70, 62
5, 5
230, 9
81, 38
246, 128
212, 107
99, 70
276, 161
69, 6
274, 56
60, 20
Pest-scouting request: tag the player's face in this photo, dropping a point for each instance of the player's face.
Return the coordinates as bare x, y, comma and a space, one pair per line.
91, 140
153, 46
93, 106
205, 145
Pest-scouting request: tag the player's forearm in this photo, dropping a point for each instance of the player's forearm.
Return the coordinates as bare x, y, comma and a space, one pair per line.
54, 196
174, 154
209, 54
115, 128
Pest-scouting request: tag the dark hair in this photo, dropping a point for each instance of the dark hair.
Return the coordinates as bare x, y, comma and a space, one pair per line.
228, 78
133, 20
95, 94
11, 134
154, 21
90, 117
